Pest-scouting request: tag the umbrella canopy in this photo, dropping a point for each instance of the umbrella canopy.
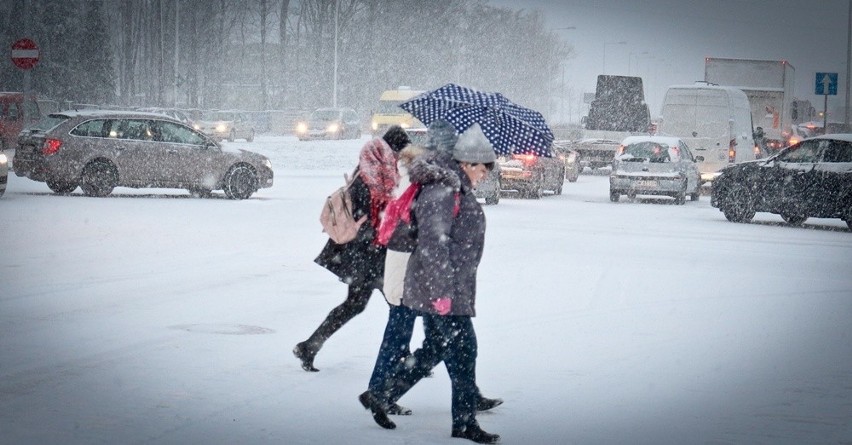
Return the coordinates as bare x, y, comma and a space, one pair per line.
510, 127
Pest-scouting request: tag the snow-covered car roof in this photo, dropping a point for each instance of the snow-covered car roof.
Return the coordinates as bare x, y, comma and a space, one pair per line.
105, 113
671, 141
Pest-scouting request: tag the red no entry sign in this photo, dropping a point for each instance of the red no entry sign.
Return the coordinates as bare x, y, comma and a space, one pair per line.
25, 54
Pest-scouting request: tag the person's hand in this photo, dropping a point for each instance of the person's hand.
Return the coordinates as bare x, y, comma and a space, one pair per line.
443, 305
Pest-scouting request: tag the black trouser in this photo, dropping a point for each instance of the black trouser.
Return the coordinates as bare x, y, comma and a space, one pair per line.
453, 340
356, 301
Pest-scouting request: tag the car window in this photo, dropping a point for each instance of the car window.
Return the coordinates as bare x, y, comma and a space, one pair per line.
177, 133
837, 151
685, 153
92, 128
806, 151
652, 151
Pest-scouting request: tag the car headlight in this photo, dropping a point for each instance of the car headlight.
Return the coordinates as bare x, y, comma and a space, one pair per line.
221, 127
3, 158
267, 163
301, 127
374, 126
333, 128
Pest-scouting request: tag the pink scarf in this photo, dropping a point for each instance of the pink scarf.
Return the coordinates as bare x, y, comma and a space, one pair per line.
379, 172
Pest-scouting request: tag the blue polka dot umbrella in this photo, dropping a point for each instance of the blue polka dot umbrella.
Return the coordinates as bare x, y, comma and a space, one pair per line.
511, 128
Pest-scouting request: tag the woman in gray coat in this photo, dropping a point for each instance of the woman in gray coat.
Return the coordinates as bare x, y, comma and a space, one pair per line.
440, 284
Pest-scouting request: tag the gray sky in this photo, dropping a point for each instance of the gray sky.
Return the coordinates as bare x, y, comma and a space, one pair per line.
667, 40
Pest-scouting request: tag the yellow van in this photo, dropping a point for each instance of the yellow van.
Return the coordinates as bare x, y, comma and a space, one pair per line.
389, 113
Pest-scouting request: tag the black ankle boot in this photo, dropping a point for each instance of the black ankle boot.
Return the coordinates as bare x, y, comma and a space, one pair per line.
306, 355
484, 403
370, 402
476, 434
397, 410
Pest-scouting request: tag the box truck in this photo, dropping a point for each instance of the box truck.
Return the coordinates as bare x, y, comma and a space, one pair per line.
768, 84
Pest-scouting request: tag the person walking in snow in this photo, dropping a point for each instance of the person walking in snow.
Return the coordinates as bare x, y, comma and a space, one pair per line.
400, 325
440, 283
360, 262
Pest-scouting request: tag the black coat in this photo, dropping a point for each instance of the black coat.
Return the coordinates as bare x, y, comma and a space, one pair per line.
449, 245
359, 262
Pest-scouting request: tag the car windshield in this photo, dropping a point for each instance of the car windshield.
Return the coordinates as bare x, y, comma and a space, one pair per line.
652, 151
390, 107
325, 115
217, 116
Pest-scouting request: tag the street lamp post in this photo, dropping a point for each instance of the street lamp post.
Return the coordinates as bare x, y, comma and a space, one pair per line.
604, 52
336, 19
562, 85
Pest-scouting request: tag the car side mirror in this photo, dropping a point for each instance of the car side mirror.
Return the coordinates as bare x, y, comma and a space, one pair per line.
699, 159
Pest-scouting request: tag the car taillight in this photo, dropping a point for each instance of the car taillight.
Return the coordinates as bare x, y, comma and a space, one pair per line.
526, 159
51, 147
732, 151
620, 150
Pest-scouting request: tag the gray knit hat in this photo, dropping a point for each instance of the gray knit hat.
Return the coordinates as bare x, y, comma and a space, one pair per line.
474, 147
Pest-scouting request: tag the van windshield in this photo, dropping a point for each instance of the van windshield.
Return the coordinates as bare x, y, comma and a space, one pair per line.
390, 107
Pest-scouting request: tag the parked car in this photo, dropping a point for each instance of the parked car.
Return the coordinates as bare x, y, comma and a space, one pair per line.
571, 157
488, 189
655, 165
99, 150
810, 179
4, 172
226, 125
173, 113
330, 123
530, 175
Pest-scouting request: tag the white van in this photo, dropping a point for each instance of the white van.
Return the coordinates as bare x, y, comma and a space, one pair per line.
714, 121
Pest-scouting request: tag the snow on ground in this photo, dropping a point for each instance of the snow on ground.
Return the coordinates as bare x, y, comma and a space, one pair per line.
153, 317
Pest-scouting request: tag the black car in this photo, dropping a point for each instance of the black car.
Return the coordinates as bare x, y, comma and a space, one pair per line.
812, 178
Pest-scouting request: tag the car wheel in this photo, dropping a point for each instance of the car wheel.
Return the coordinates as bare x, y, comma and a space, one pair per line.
250, 137
63, 188
240, 182
694, 196
99, 178
613, 196
737, 205
680, 197
200, 192
631, 195
793, 218
232, 136
493, 199
575, 174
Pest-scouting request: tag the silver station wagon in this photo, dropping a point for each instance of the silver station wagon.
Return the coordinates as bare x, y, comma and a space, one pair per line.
99, 150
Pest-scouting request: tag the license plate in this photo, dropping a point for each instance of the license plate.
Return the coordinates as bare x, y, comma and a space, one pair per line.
646, 184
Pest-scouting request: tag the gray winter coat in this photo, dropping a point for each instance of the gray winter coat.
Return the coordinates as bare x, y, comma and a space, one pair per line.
449, 247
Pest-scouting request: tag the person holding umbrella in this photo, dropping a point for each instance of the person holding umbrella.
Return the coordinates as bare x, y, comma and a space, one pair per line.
440, 283
360, 262
441, 136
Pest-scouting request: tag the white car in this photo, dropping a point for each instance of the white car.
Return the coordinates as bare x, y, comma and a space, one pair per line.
654, 165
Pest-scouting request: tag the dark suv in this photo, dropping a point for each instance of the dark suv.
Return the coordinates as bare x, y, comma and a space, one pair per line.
810, 179
99, 150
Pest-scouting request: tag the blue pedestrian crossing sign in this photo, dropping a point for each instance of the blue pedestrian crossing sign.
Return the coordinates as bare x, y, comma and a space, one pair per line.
826, 84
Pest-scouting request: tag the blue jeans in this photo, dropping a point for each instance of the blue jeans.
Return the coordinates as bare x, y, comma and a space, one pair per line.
394, 347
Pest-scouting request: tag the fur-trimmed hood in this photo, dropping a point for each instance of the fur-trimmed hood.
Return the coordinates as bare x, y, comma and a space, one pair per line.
437, 167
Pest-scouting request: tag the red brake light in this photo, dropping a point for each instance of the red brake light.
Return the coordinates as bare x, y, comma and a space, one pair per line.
732, 151
51, 146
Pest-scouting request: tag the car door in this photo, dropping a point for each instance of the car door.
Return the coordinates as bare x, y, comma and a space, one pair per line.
192, 158
135, 154
794, 178
689, 168
832, 194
